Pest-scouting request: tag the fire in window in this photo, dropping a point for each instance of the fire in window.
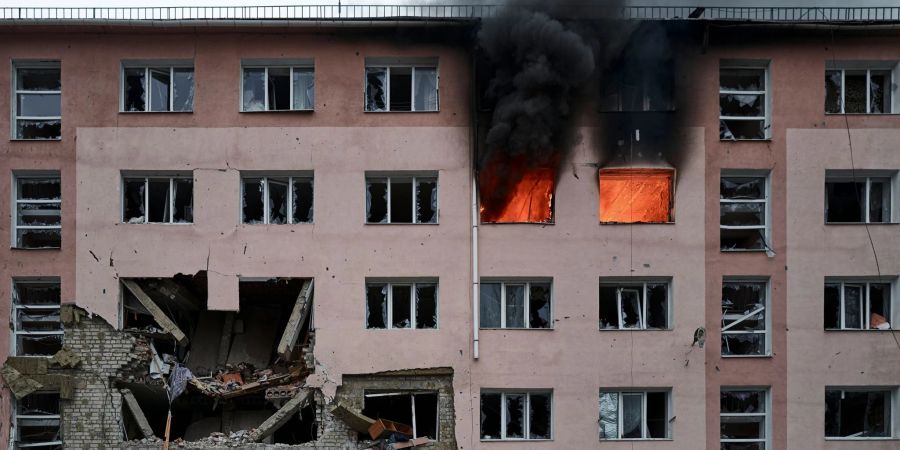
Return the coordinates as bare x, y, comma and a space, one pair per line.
636, 195
528, 199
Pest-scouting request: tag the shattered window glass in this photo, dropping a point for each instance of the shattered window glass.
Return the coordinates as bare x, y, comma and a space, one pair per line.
854, 91
38, 212
845, 199
254, 89
38, 421
426, 305
539, 414
744, 327
184, 201
743, 419
36, 323
376, 89
303, 200
183, 89
515, 415
401, 88
833, 87
879, 91
742, 104
609, 415
490, 416
401, 199
742, 213
253, 203
160, 84
523, 305
376, 200
304, 88
38, 109
401, 304
490, 305
634, 306
135, 89
158, 200
859, 91
376, 306
539, 305
158, 89
857, 414
857, 305
426, 200
277, 200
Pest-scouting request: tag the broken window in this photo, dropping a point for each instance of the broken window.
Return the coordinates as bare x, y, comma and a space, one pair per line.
158, 199
636, 195
862, 90
277, 199
516, 304
641, 305
401, 305
37, 110
634, 415
418, 409
36, 421
278, 88
857, 305
743, 213
36, 325
743, 102
857, 198
37, 210
158, 88
743, 419
858, 413
401, 88
402, 199
509, 415
744, 318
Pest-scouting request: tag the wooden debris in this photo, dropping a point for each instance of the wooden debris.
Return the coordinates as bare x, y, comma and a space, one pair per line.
383, 427
164, 322
296, 321
137, 413
354, 419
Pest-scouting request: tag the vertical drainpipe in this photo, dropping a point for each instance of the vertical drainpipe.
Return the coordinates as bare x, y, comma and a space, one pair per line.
475, 280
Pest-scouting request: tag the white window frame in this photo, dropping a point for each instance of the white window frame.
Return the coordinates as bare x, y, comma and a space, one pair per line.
412, 400
374, 176
644, 430
172, 179
526, 310
767, 316
389, 325
767, 213
766, 118
865, 285
526, 417
16, 307
621, 284
868, 68
766, 401
16, 417
893, 419
290, 197
844, 176
304, 66
14, 98
147, 65
412, 85
16, 201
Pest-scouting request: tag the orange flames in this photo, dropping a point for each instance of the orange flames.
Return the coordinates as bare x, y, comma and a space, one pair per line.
529, 200
629, 195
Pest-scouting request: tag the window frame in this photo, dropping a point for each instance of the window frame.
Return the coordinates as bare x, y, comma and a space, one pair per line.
15, 307
16, 416
383, 64
412, 398
526, 416
171, 195
866, 285
147, 65
16, 201
767, 213
526, 310
767, 317
624, 283
291, 65
855, 176
414, 177
389, 301
892, 419
766, 118
868, 67
767, 418
644, 430
264, 176
15, 91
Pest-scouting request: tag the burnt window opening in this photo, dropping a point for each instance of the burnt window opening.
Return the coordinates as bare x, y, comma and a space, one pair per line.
402, 199
634, 415
402, 305
401, 88
277, 199
516, 304
744, 419
37, 210
278, 87
510, 415
158, 199
745, 318
158, 88
37, 421
857, 199
642, 306
418, 409
37, 109
859, 87
857, 305
744, 101
36, 325
743, 212
858, 413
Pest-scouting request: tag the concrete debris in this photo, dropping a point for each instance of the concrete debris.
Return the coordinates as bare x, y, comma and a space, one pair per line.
19, 384
131, 403
158, 315
354, 419
273, 423
66, 359
298, 317
28, 365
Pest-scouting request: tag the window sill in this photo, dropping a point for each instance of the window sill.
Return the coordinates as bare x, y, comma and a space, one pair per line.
862, 223
401, 112
248, 224
34, 248
637, 223
399, 223
860, 114
768, 139
279, 111
35, 140
742, 250
746, 356
156, 112
859, 330
633, 329
636, 440
517, 223
862, 438
515, 329
518, 441
157, 223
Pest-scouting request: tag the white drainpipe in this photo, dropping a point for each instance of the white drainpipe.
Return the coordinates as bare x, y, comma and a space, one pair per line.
475, 280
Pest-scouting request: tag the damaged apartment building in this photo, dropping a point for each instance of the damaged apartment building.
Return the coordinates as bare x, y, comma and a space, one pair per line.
450, 226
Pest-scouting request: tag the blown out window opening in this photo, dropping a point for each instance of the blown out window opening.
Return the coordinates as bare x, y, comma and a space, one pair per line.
398, 87
745, 318
744, 212
858, 305
158, 88
411, 199
744, 102
860, 412
278, 88
516, 304
859, 91
158, 199
37, 219
858, 199
634, 415
36, 325
641, 305
744, 419
511, 415
36, 421
37, 109
393, 305
277, 199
